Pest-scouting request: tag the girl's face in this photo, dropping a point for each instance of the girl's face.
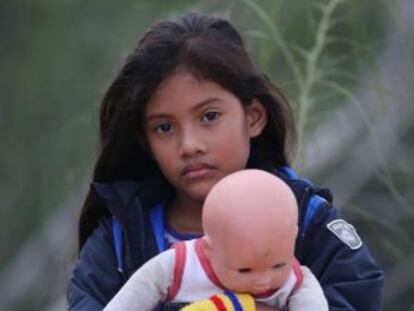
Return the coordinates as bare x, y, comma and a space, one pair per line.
198, 133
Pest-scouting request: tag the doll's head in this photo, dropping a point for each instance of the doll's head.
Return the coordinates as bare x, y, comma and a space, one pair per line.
250, 226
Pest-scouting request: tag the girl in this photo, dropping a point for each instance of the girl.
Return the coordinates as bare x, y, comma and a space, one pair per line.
188, 108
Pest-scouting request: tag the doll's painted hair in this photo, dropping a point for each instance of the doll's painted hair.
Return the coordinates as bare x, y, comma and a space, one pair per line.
210, 49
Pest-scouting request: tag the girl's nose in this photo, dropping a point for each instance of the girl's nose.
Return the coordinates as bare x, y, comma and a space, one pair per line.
191, 144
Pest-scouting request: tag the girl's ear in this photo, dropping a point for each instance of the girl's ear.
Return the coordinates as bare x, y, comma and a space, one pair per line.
256, 118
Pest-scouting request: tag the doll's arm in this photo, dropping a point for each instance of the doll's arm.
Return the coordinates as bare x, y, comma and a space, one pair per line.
146, 287
309, 296
224, 302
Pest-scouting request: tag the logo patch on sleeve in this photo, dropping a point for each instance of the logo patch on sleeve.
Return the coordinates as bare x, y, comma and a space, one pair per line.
345, 232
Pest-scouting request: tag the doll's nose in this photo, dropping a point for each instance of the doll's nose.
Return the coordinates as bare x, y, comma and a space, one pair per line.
263, 282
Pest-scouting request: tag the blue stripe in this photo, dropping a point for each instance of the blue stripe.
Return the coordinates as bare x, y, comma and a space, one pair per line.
157, 222
234, 300
292, 175
117, 234
314, 204
181, 236
289, 172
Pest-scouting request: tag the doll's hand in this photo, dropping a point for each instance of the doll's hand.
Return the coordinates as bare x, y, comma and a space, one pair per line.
227, 301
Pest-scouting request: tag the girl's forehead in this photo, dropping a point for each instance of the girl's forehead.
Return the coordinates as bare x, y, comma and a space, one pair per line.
183, 90
183, 85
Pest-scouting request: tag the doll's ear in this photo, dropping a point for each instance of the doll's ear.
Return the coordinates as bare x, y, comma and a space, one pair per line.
256, 118
206, 245
297, 232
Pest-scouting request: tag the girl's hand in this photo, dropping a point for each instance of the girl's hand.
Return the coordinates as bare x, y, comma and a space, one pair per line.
261, 307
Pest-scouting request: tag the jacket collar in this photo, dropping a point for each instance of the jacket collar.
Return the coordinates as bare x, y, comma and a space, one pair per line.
122, 195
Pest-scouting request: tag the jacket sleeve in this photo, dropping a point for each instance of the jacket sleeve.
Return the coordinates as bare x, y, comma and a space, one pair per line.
350, 278
95, 278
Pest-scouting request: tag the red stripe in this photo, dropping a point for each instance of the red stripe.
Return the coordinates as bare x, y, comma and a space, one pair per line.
205, 263
180, 255
218, 303
297, 269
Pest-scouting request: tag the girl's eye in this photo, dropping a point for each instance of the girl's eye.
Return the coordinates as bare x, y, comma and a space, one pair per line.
211, 116
164, 128
244, 270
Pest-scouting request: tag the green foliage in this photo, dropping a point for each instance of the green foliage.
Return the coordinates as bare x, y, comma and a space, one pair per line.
309, 46
59, 56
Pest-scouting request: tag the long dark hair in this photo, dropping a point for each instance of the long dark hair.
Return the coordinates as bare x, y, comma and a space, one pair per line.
207, 47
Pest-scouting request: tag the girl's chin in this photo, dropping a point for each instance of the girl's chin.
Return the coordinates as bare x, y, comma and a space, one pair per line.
197, 190
198, 193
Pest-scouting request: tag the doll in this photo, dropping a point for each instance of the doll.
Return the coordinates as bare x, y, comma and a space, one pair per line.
250, 224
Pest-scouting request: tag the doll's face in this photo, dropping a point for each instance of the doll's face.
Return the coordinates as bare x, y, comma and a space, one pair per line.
255, 268
250, 225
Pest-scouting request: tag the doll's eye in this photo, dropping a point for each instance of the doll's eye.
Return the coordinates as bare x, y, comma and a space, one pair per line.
244, 270
210, 116
278, 266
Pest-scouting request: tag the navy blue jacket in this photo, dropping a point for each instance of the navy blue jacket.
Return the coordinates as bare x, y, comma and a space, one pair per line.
351, 279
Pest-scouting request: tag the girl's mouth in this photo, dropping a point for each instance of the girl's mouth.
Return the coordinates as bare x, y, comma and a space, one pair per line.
196, 170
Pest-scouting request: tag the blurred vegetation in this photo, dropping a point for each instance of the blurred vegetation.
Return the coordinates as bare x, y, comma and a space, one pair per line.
57, 57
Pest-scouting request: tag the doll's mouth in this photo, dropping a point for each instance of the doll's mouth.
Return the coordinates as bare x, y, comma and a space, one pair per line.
265, 293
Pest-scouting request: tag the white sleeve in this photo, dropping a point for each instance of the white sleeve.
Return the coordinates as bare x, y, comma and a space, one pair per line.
147, 286
309, 296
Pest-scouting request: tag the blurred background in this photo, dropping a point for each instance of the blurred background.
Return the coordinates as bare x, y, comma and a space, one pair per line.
346, 66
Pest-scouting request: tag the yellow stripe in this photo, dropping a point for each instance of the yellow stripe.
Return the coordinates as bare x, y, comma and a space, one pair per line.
245, 300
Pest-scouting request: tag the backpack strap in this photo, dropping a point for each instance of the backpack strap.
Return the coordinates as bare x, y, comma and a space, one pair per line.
157, 223
315, 203
310, 198
117, 237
